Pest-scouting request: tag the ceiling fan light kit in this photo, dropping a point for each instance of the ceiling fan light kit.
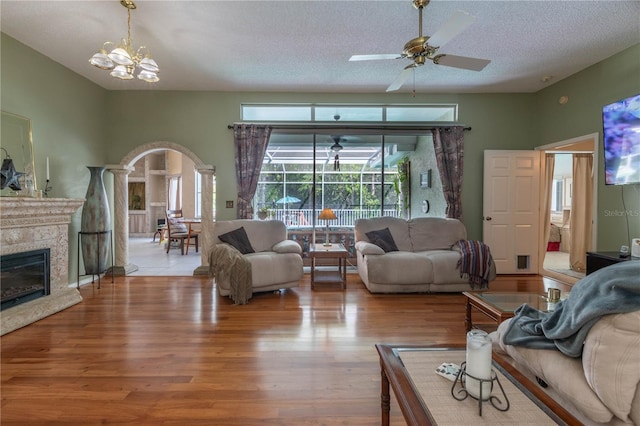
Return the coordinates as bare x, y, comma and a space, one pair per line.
336, 147
123, 61
422, 48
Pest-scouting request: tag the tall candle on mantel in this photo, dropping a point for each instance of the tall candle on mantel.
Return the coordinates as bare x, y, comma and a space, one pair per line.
47, 168
478, 364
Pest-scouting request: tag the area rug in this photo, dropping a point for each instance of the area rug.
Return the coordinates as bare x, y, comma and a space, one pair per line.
436, 393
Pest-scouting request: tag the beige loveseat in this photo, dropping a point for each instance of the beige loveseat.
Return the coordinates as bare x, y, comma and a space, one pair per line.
585, 352
426, 260
275, 263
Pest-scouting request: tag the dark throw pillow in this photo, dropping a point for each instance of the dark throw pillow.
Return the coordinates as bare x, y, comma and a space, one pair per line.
383, 239
238, 238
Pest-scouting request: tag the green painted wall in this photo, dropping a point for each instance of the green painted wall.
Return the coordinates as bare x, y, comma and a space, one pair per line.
67, 115
616, 78
77, 123
198, 120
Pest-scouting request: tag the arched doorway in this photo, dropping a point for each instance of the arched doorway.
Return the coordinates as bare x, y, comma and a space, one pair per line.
121, 201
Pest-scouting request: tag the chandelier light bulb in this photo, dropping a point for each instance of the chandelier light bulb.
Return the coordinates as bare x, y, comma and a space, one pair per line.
101, 60
149, 64
148, 76
122, 73
120, 56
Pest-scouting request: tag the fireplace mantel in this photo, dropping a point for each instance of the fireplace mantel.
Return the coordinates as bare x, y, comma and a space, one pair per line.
36, 223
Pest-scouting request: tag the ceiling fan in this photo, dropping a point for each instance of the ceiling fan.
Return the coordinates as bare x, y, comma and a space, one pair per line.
422, 48
336, 147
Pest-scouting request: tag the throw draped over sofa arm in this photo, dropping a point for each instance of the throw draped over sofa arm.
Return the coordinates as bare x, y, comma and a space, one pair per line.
226, 262
262, 259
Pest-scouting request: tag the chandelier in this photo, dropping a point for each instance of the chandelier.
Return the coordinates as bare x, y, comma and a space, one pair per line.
122, 61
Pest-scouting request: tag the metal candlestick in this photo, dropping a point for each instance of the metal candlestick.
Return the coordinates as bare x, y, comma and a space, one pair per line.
47, 188
461, 393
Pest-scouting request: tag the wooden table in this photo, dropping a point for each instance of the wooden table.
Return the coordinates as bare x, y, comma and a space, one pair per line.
499, 306
334, 251
416, 411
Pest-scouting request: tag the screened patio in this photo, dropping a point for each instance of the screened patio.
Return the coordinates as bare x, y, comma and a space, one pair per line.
354, 176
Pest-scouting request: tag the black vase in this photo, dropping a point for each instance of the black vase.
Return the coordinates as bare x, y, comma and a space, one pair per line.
95, 241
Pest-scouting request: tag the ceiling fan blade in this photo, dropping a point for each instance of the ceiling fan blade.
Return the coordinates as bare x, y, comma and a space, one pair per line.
473, 64
375, 57
402, 77
454, 26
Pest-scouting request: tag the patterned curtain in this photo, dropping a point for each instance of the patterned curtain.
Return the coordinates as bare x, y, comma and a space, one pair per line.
449, 148
250, 143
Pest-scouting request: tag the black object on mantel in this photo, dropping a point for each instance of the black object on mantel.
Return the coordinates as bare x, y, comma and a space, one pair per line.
9, 176
601, 259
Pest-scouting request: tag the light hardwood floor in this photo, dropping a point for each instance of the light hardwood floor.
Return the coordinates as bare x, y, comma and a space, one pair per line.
170, 351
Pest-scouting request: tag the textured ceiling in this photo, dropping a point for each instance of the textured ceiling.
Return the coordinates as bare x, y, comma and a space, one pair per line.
304, 46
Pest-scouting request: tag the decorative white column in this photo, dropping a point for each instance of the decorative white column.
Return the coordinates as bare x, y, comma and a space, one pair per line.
121, 219
206, 214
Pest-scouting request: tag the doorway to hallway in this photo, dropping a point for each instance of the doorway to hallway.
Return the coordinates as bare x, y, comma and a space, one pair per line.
556, 257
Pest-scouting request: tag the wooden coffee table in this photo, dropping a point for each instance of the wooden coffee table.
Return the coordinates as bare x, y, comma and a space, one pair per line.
424, 397
331, 274
501, 306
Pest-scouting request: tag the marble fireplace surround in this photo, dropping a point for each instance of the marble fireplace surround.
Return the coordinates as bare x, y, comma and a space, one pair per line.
31, 224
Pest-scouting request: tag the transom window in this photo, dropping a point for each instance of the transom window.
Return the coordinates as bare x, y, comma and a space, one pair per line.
426, 113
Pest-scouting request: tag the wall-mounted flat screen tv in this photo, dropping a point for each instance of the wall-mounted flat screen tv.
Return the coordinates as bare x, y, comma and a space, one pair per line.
621, 125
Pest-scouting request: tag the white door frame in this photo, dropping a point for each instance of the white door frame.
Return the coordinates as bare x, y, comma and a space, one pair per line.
556, 146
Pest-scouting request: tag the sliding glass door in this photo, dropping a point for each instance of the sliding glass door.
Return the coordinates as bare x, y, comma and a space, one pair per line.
355, 176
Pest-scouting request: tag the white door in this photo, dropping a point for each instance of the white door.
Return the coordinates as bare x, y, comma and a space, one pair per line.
511, 209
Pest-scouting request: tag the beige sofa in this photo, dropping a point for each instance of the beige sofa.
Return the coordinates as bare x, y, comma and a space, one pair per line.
426, 260
276, 262
600, 388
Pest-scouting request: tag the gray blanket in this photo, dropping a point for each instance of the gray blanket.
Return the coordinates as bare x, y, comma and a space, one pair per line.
611, 290
226, 262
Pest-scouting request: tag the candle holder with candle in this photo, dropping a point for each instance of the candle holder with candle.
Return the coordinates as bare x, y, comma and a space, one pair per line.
47, 187
476, 377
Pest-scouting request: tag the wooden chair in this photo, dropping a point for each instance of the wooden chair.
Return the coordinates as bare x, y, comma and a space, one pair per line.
178, 231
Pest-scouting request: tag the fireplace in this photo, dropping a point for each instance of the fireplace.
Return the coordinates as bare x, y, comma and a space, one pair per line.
24, 277
38, 229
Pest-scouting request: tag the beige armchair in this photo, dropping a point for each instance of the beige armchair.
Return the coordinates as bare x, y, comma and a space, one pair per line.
262, 249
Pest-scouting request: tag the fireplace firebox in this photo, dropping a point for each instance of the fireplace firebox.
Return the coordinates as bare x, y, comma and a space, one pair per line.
24, 277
